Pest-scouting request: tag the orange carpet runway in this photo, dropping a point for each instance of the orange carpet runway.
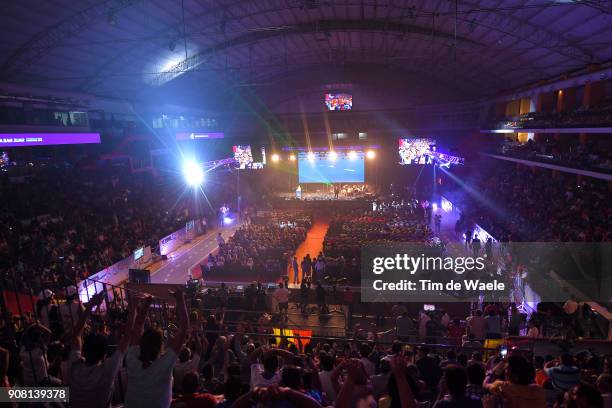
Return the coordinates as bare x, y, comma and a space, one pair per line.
312, 245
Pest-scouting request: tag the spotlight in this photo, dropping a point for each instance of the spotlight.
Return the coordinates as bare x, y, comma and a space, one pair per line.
352, 155
275, 157
370, 154
292, 157
311, 156
333, 155
193, 173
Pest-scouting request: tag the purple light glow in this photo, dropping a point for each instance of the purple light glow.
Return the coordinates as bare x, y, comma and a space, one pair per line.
46, 139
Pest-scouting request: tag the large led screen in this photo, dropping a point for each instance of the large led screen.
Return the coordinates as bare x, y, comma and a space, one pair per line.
244, 157
46, 139
338, 101
414, 151
326, 167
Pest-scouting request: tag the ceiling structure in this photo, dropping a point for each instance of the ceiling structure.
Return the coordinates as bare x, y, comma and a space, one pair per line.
127, 48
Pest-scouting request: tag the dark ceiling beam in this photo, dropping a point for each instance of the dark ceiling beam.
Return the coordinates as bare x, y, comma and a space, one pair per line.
323, 27
505, 22
47, 40
310, 75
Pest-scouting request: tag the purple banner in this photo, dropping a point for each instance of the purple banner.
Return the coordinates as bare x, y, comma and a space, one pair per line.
46, 139
198, 135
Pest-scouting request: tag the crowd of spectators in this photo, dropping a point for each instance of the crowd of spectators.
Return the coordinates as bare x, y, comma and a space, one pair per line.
590, 156
534, 205
350, 230
262, 247
398, 222
60, 225
579, 117
189, 359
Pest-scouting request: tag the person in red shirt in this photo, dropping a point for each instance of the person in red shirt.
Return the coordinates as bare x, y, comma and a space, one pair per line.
191, 397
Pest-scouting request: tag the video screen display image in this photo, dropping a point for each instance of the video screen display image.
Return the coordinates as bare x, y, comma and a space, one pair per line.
414, 151
321, 167
338, 101
244, 156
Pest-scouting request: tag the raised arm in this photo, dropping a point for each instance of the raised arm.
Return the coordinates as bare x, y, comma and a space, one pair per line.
398, 368
355, 375
284, 354
133, 326
238, 350
77, 331
142, 307
256, 353
335, 376
183, 321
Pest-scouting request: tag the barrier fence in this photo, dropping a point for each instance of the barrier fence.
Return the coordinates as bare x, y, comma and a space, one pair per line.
142, 257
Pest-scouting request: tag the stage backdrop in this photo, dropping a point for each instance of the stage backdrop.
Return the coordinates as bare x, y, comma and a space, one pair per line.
319, 167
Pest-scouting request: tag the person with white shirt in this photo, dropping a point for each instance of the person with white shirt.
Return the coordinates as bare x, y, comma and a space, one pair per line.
149, 371
33, 357
281, 295
188, 361
327, 368
71, 310
91, 372
424, 318
44, 306
267, 373
368, 365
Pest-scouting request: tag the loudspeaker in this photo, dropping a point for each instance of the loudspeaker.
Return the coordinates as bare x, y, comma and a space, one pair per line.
256, 152
140, 276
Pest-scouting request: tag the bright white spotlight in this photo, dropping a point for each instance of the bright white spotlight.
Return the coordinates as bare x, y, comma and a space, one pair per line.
275, 157
193, 173
311, 156
370, 154
352, 155
333, 155
292, 157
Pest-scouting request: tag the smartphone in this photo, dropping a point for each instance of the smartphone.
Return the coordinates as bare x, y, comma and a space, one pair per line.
503, 351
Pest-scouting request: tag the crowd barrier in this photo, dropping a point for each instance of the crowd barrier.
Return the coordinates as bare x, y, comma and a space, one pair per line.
191, 229
119, 272
113, 275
